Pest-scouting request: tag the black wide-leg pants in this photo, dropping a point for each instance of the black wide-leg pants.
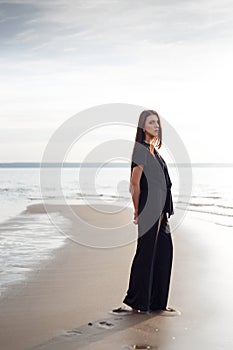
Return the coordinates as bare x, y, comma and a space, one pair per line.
151, 269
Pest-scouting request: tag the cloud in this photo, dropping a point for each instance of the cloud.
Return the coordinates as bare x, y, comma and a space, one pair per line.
24, 135
62, 56
112, 26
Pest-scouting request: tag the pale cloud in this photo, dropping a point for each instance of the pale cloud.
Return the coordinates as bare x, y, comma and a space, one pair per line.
108, 23
59, 57
27, 35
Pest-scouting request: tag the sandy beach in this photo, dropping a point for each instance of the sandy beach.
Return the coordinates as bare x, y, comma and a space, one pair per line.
65, 304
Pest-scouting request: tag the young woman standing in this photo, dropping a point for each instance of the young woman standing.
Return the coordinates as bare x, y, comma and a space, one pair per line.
150, 187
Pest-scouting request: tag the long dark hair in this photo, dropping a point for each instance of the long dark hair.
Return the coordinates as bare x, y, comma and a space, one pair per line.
140, 134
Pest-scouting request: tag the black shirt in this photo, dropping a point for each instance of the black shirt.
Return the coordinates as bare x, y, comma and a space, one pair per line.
168, 207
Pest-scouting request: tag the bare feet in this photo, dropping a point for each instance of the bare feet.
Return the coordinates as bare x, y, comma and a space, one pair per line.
170, 312
138, 311
170, 309
126, 310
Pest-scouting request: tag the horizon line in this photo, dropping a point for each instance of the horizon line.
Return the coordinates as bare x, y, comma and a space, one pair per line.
107, 165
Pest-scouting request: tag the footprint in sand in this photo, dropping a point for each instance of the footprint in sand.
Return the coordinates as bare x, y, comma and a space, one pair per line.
72, 332
105, 324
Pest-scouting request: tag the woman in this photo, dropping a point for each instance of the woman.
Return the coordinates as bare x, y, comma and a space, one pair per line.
150, 187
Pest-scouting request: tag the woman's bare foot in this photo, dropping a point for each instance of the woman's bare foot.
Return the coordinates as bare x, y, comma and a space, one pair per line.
122, 310
170, 311
139, 311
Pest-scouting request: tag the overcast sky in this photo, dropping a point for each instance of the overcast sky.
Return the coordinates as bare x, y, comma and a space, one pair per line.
60, 57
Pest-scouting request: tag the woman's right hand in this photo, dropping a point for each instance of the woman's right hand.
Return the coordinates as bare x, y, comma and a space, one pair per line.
135, 217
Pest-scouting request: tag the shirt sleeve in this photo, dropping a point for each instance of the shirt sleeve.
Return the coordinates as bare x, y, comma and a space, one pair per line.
139, 156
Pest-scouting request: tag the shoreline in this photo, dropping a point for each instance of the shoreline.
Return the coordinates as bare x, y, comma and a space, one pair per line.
28, 236
80, 284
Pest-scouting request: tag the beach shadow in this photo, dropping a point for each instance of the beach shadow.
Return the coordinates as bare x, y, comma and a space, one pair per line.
95, 331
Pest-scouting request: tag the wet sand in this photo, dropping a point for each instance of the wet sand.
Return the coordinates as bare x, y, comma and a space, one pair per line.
65, 304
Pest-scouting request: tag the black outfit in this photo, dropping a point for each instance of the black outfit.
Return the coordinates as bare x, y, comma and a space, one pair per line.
152, 263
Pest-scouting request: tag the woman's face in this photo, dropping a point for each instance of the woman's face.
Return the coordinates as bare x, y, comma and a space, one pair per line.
152, 125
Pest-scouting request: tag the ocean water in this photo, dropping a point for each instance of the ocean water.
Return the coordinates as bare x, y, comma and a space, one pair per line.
25, 242
28, 239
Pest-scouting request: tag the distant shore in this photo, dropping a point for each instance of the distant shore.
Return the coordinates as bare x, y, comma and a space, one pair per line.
108, 165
